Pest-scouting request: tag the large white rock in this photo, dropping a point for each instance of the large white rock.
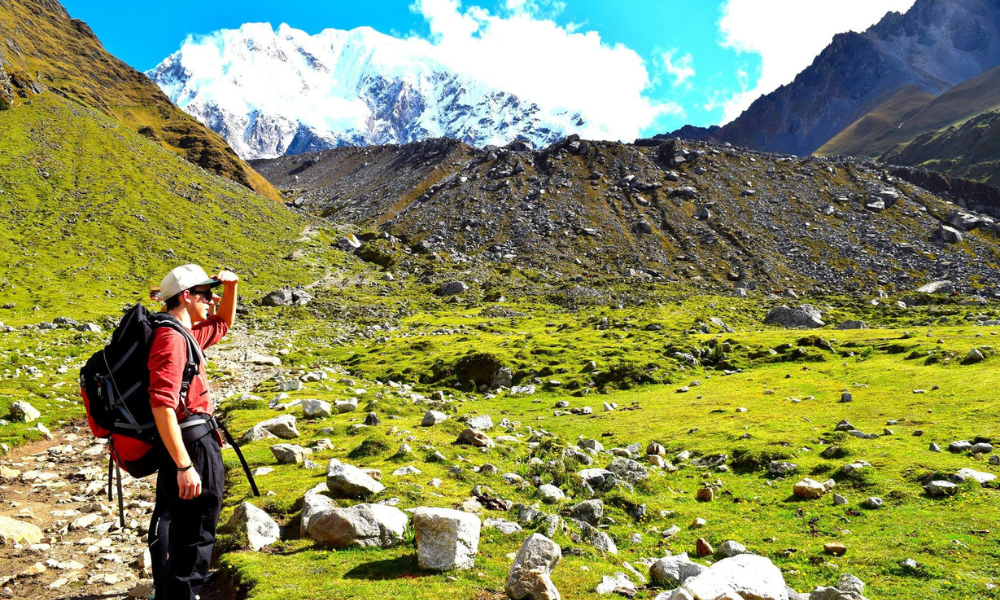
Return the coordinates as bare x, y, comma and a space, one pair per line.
316, 409
481, 423
446, 538
675, 570
433, 417
977, 476
314, 503
258, 527
290, 454
362, 525
346, 406
282, 426
22, 411
550, 493
348, 481
13, 532
751, 577
529, 576
809, 489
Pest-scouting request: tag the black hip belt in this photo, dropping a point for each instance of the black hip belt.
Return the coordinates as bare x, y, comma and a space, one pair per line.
196, 426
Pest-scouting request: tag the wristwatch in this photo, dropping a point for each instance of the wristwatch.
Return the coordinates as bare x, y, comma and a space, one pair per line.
179, 469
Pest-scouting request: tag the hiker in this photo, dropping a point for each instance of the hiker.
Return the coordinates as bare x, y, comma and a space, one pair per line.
190, 479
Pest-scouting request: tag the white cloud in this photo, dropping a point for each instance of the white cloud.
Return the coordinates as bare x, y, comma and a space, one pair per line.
789, 34
559, 68
681, 68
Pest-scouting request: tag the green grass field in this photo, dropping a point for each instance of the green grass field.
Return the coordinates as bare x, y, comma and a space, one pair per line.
953, 539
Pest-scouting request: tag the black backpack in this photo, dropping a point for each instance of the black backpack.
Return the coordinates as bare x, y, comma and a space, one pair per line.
114, 384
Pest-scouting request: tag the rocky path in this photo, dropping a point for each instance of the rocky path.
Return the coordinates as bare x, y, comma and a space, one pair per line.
74, 546
54, 493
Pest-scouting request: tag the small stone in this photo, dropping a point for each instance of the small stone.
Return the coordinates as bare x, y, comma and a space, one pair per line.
835, 548
703, 548
872, 503
705, 494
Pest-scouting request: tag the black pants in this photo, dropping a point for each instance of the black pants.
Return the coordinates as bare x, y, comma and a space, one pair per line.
182, 532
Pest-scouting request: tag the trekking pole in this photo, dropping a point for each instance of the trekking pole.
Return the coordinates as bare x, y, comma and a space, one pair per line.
243, 461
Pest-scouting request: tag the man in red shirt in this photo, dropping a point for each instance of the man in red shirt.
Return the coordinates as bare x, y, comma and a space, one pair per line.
190, 479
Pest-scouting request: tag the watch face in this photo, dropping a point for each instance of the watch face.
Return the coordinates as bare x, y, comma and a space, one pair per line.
155, 295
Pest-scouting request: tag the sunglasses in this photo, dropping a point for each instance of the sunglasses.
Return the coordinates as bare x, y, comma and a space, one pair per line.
205, 294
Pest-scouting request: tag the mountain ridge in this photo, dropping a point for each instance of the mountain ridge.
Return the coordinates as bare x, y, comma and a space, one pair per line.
687, 212
337, 88
48, 50
933, 46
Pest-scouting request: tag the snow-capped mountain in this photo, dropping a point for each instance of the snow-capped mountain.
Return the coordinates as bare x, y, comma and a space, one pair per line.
273, 92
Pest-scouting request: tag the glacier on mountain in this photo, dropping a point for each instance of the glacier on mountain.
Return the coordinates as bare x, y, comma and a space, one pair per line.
274, 92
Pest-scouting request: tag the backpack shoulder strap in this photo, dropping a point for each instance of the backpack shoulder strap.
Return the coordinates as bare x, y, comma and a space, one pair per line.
194, 358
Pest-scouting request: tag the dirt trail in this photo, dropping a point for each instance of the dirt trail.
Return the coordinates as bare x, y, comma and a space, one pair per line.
60, 485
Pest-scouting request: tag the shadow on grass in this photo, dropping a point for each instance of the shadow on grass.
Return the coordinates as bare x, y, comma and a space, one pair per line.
403, 567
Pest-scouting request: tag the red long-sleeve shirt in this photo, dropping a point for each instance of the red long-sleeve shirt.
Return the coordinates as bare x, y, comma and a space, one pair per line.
167, 358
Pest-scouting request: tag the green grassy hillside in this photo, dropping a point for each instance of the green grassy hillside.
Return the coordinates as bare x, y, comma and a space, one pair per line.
952, 134
46, 49
94, 213
868, 134
791, 397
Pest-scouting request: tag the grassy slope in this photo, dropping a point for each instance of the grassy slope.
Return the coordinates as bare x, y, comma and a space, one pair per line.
954, 133
704, 421
867, 135
970, 150
62, 54
95, 213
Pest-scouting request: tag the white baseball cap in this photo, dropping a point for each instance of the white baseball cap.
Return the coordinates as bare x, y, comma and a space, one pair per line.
184, 278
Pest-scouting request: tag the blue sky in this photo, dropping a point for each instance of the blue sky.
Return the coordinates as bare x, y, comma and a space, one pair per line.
700, 62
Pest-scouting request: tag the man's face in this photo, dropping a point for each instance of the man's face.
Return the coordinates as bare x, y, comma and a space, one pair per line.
200, 298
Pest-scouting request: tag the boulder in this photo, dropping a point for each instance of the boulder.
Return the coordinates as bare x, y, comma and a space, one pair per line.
480, 423
362, 525
433, 417
950, 235
941, 488
974, 356
791, 317
316, 409
348, 481
451, 288
597, 538
473, 437
937, 287
745, 576
810, 490
314, 503
22, 411
778, 468
852, 324
730, 549
628, 470
282, 297
290, 454
675, 570
282, 426
446, 539
550, 493
529, 576
589, 511
345, 406
977, 476
258, 527
13, 532
598, 479
619, 584
502, 377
